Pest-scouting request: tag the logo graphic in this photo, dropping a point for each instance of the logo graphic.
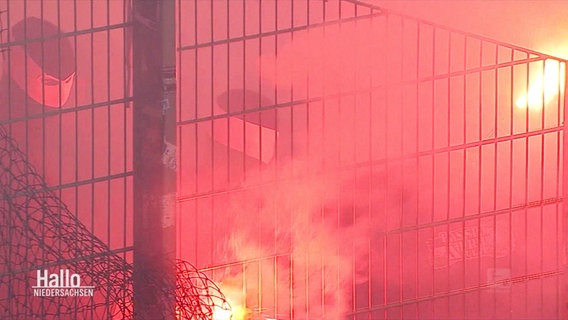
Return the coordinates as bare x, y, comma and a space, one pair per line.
467, 243
62, 284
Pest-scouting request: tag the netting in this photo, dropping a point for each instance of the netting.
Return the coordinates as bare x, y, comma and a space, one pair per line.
38, 232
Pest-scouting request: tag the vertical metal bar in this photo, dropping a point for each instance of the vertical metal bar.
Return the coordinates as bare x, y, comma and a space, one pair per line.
76, 117
212, 161
179, 104
464, 170
369, 193
154, 179
243, 107
92, 118
433, 173
109, 123
196, 100
292, 85
26, 135
417, 137
259, 162
448, 182
308, 145
323, 94
178, 111
126, 76
479, 158
6, 54
402, 163
541, 191
9, 100
60, 116
526, 191
385, 248
325, 278
196, 128
76, 112
354, 200
560, 226
259, 207
276, 87
353, 192
564, 293
495, 150
109, 197
229, 106
41, 162
510, 200
43, 169
9, 65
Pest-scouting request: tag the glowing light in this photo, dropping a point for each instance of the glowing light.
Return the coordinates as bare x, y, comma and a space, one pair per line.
240, 313
221, 314
545, 87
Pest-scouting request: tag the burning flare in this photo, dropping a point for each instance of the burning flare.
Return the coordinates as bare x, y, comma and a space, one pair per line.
545, 87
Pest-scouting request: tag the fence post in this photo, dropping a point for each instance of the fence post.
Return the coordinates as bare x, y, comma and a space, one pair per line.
154, 126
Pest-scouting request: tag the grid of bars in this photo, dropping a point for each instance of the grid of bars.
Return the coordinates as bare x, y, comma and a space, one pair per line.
83, 149
337, 158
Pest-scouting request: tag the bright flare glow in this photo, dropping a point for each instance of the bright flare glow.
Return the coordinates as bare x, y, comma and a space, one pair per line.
238, 313
545, 86
221, 314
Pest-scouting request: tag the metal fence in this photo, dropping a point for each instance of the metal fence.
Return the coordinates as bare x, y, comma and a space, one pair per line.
66, 157
334, 160
338, 159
